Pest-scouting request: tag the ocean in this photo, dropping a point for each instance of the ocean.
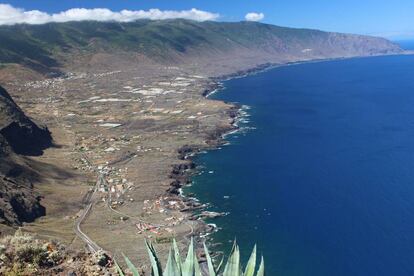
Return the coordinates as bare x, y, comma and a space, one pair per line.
406, 44
321, 174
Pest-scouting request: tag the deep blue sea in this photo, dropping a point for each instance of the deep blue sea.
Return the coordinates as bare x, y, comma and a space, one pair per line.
323, 181
406, 44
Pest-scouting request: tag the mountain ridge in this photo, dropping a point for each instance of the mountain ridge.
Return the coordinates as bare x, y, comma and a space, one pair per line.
47, 48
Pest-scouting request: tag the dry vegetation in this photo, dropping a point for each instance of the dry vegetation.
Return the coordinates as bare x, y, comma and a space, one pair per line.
23, 254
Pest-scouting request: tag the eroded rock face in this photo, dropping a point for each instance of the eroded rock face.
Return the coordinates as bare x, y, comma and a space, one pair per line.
18, 203
18, 136
21, 133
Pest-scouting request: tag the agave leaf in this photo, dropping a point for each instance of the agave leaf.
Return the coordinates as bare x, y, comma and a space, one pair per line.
171, 268
155, 263
188, 265
220, 265
119, 269
177, 254
232, 267
260, 272
197, 270
251, 264
211, 270
131, 266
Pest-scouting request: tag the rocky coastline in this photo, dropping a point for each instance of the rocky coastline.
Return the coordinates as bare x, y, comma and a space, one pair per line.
182, 173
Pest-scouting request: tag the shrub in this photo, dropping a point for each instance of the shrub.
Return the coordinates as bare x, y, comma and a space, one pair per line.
22, 251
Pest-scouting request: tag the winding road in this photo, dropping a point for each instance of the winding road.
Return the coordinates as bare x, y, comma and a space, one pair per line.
90, 200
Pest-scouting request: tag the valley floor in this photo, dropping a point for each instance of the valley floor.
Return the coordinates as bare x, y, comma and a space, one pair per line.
127, 126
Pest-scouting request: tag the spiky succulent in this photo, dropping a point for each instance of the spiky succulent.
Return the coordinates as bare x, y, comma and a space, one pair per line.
190, 266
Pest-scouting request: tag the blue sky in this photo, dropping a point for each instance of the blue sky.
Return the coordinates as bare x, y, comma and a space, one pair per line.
393, 19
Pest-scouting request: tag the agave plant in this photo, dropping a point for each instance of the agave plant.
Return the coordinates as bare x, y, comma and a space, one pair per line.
190, 266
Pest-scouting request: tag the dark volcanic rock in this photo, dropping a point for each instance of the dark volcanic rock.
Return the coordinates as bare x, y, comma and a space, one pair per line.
181, 173
22, 134
184, 151
18, 201
18, 136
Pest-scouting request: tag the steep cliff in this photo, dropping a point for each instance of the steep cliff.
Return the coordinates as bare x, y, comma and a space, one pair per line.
18, 136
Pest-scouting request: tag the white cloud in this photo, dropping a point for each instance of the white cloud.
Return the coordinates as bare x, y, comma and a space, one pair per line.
254, 16
10, 15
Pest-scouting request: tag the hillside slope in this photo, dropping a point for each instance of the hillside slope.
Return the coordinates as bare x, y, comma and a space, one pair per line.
46, 48
18, 135
21, 133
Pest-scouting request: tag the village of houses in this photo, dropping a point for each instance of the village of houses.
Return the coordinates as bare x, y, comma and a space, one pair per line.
126, 131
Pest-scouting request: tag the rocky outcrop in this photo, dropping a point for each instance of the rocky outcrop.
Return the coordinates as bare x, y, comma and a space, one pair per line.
21, 133
18, 136
18, 202
181, 173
